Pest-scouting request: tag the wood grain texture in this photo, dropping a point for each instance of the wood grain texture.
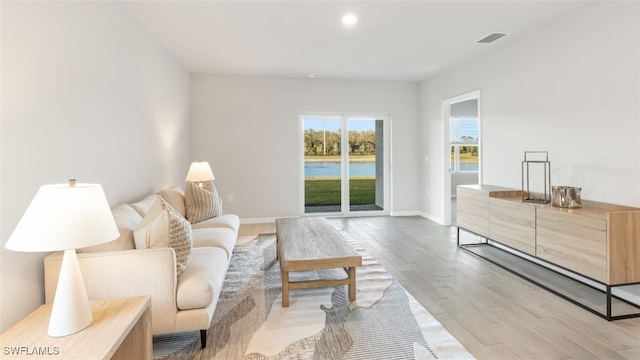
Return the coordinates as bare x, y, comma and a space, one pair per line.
575, 242
473, 209
121, 329
138, 343
513, 223
599, 240
624, 247
493, 313
313, 244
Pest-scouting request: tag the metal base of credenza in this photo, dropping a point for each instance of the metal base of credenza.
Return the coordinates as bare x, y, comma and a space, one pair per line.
557, 280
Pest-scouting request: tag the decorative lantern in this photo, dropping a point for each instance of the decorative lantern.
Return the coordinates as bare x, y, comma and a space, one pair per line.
536, 177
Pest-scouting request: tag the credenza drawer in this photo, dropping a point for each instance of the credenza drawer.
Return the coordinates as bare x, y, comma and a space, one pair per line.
473, 210
575, 242
598, 240
513, 223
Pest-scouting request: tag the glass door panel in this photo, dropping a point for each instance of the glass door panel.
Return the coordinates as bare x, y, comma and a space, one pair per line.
365, 164
344, 160
322, 164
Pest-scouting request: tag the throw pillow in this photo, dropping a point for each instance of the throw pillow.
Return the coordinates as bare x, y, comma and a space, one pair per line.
163, 227
202, 203
175, 197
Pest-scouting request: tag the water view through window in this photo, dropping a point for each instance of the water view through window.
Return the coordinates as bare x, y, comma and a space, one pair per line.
464, 144
324, 178
333, 169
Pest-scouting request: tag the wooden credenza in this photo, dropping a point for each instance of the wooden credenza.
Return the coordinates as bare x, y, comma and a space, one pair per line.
600, 241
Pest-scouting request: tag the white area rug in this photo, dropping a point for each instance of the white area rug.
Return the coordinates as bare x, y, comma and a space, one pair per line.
385, 322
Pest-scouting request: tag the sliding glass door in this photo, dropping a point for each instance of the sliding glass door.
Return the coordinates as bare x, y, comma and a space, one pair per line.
322, 164
344, 164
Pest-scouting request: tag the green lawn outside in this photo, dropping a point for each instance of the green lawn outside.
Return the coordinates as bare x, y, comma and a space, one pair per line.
466, 158
326, 191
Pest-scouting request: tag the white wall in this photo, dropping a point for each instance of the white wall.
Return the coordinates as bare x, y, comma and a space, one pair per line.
86, 93
462, 178
570, 88
248, 129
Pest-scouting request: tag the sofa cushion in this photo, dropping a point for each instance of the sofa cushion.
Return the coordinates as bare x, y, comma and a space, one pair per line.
202, 203
164, 227
215, 237
230, 221
127, 219
175, 197
143, 206
203, 278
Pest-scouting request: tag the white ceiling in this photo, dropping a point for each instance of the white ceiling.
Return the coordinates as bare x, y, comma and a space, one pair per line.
393, 40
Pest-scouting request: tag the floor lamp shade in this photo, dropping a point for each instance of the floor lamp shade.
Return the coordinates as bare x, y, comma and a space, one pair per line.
200, 171
66, 217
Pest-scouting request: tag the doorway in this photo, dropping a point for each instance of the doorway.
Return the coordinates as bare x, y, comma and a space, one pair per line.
462, 145
344, 164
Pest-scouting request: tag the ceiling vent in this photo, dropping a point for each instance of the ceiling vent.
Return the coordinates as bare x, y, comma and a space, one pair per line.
491, 38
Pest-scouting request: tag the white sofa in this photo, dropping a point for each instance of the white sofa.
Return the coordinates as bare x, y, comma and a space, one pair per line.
118, 269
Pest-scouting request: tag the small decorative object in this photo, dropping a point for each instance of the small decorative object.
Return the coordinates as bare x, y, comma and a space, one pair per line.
536, 177
566, 196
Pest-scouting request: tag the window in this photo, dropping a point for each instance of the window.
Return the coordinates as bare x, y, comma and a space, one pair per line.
464, 145
344, 163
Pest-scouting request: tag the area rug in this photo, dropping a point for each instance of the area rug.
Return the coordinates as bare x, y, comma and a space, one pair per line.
385, 321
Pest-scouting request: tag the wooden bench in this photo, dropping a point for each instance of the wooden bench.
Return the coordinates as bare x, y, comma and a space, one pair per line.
313, 244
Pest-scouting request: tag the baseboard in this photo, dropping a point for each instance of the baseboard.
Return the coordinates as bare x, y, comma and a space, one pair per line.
265, 220
432, 218
405, 213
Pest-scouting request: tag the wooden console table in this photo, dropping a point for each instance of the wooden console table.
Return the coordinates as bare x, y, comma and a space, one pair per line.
599, 242
121, 329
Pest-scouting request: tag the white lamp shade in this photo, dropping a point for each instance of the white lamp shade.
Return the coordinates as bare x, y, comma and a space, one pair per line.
200, 171
63, 217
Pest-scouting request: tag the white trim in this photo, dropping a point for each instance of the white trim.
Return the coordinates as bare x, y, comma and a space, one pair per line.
446, 173
388, 180
406, 213
269, 220
344, 161
433, 218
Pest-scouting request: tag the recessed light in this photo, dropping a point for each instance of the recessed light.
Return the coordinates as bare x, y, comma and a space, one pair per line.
311, 76
349, 19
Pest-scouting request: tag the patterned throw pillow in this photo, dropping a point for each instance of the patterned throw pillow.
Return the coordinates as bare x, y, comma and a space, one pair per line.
164, 227
202, 203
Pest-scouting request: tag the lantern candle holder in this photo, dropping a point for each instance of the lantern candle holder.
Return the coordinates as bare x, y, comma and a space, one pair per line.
536, 177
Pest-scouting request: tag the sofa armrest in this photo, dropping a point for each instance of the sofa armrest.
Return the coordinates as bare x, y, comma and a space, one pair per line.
114, 274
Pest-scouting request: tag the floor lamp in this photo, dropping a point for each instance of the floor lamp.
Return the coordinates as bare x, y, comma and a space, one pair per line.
66, 217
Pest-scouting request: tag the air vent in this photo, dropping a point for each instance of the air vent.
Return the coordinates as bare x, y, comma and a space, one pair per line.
491, 38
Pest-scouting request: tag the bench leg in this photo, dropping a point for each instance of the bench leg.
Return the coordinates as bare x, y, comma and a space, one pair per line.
285, 288
352, 283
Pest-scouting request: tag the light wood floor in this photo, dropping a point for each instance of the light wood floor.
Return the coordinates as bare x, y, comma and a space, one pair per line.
493, 313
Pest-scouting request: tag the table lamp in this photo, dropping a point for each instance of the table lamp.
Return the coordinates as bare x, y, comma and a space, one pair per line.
66, 217
200, 171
